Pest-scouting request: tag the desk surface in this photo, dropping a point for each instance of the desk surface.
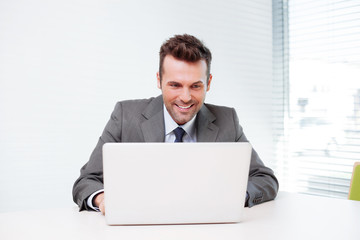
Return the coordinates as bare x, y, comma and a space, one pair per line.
290, 216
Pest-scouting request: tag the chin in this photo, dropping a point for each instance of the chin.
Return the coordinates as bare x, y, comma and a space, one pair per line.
181, 122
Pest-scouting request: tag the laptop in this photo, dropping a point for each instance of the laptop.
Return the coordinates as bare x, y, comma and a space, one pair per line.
175, 183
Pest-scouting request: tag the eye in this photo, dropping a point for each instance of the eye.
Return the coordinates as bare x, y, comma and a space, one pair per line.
173, 84
196, 86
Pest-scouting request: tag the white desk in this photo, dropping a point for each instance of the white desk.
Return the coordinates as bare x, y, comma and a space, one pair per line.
290, 216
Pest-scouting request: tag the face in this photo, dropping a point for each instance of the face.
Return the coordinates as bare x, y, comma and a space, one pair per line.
183, 87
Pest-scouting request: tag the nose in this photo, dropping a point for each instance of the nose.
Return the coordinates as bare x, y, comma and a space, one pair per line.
185, 95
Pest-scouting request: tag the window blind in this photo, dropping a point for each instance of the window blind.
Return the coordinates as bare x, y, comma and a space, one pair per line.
317, 94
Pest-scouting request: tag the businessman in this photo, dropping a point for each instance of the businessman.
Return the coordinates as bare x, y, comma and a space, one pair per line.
179, 114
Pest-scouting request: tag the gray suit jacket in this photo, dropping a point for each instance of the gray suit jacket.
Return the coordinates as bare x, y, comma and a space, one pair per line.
143, 121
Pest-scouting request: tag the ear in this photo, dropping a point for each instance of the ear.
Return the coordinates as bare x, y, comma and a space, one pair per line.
158, 80
208, 83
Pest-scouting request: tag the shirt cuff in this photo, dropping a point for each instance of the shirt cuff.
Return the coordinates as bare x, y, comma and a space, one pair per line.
90, 200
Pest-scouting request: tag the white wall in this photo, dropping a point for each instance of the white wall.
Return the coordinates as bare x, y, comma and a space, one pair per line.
65, 63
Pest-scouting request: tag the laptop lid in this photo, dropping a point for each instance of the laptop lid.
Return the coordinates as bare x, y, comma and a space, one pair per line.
175, 183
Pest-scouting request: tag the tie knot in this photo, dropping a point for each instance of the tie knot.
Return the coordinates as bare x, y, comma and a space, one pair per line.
179, 133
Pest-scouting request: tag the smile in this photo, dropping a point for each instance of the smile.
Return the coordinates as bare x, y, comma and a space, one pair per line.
185, 107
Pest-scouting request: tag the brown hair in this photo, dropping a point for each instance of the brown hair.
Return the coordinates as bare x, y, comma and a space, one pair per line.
187, 48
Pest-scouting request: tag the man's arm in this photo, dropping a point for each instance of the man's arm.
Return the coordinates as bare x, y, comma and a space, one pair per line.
262, 184
91, 174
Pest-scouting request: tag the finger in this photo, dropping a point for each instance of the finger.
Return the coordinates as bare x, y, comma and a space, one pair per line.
102, 207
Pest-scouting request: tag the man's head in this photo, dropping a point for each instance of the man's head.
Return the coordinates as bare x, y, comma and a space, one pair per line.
186, 48
184, 76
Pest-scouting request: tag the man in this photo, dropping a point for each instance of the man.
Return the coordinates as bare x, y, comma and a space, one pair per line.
184, 79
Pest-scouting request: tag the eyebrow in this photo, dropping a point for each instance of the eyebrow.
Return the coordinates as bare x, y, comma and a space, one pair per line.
198, 82
172, 82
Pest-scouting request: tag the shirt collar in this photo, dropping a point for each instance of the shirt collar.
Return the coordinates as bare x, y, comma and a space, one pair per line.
170, 124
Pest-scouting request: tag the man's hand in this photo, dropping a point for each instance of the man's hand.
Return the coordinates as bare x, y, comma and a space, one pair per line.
99, 202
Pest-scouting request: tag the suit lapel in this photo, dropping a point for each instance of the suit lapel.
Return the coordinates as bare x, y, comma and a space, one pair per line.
207, 131
153, 128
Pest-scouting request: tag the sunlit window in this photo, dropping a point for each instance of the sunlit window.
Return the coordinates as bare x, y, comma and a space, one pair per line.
321, 134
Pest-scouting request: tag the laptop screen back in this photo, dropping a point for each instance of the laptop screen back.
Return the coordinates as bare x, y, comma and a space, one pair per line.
175, 183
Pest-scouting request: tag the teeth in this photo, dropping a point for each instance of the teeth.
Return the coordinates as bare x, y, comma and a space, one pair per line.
184, 107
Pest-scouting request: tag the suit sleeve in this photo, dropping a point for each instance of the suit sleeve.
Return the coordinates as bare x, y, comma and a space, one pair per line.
262, 184
91, 174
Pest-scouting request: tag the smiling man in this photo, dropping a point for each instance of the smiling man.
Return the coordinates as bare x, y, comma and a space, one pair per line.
184, 79
184, 86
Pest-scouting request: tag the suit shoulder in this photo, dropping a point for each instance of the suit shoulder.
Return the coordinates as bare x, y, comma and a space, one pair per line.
222, 113
216, 109
134, 104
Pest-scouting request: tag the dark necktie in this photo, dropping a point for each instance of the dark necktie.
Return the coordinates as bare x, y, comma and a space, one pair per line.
179, 133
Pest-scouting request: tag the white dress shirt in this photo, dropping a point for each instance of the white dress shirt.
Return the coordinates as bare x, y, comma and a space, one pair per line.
170, 125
